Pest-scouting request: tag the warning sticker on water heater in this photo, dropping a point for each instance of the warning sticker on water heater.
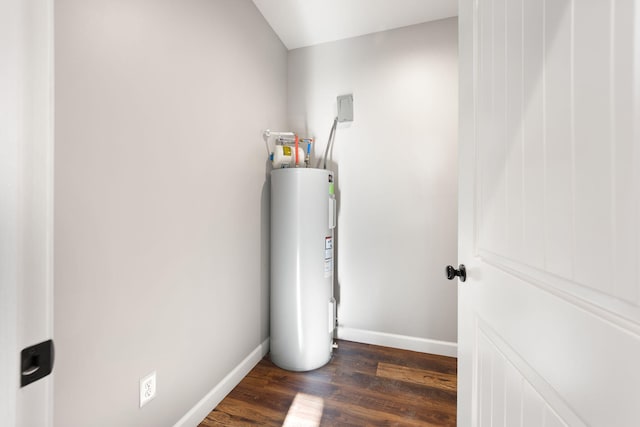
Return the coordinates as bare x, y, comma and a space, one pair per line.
328, 257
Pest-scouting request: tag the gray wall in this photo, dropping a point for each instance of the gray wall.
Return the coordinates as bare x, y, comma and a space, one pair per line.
161, 220
396, 176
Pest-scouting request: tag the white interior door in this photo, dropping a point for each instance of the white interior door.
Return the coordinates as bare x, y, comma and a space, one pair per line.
549, 317
26, 206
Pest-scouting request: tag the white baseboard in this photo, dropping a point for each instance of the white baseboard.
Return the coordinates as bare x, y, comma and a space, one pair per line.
423, 345
217, 393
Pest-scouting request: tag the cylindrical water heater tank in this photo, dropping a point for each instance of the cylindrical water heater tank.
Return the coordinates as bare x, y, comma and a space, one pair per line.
303, 216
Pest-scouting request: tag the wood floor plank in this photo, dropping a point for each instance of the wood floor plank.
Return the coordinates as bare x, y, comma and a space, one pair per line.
362, 385
426, 377
234, 412
339, 414
386, 387
410, 359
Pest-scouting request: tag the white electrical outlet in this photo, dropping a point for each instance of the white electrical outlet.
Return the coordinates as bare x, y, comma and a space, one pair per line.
147, 388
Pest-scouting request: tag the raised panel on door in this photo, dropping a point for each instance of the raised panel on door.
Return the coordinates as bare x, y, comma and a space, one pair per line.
549, 209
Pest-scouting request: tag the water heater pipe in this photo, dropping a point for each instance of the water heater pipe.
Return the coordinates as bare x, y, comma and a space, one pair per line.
269, 133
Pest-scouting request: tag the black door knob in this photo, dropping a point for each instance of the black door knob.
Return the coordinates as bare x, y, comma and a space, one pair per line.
460, 272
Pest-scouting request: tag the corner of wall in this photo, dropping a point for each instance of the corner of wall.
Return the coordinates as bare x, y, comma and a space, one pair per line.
201, 409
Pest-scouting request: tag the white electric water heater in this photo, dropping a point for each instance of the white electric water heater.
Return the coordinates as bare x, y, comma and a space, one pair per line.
303, 216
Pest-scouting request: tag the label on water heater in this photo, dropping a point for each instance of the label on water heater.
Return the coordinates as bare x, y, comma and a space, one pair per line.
328, 256
328, 243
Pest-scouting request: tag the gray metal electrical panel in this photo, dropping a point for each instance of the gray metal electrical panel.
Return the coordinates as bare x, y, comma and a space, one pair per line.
345, 108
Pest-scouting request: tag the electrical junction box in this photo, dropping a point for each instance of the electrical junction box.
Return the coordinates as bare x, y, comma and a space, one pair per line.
345, 108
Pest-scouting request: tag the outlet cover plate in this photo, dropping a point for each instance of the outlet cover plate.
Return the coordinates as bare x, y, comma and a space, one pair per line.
147, 388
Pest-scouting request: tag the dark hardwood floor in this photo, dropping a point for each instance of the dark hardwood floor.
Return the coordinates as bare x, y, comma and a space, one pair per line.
362, 385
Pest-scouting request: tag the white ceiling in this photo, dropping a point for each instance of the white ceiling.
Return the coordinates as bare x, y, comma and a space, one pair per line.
301, 23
